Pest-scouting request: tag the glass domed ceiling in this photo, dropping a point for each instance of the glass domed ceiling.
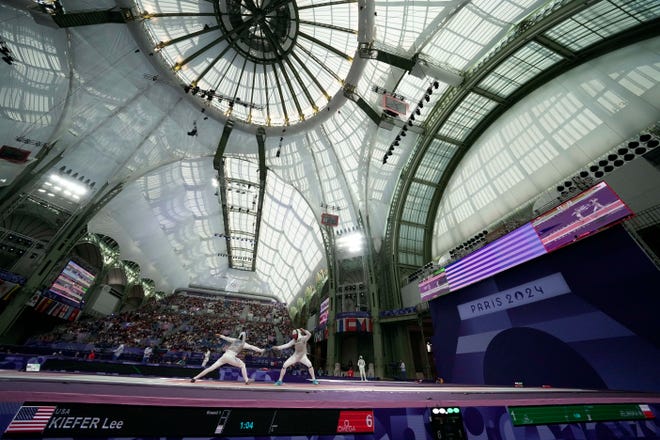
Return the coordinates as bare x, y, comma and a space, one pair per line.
262, 62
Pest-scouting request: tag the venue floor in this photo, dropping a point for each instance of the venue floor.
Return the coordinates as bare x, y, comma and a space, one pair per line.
21, 386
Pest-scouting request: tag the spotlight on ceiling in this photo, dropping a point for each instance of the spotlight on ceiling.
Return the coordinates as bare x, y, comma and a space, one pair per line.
353, 242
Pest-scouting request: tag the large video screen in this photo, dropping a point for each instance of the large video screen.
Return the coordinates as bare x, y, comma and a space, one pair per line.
585, 214
579, 217
72, 284
434, 286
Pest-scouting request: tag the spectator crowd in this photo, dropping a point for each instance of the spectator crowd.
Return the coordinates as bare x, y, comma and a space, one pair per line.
177, 329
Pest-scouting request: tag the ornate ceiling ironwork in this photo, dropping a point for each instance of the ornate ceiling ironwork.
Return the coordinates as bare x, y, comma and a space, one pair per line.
265, 63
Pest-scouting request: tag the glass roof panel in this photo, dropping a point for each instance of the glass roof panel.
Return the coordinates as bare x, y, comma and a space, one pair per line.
473, 30
374, 74
290, 244
243, 169
506, 11
332, 184
380, 182
602, 20
280, 71
195, 203
417, 203
400, 23
411, 244
347, 142
466, 116
642, 9
191, 173
435, 161
516, 70
411, 259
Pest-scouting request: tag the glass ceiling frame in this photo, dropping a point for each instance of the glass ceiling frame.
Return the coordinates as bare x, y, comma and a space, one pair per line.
261, 62
241, 194
535, 29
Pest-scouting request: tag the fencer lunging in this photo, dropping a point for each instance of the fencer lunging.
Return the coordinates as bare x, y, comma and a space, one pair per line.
299, 344
236, 345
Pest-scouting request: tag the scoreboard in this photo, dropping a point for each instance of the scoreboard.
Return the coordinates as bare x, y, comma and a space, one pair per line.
66, 420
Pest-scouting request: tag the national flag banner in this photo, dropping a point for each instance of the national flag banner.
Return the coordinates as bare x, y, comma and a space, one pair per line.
67, 313
53, 308
367, 325
62, 311
43, 304
354, 324
31, 419
57, 310
74, 315
324, 311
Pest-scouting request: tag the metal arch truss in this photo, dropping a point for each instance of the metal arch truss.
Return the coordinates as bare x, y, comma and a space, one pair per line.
452, 98
241, 199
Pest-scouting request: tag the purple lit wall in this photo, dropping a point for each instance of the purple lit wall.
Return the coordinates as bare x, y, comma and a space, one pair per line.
591, 306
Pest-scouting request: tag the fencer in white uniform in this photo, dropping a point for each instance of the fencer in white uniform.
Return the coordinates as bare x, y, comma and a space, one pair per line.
299, 343
236, 345
361, 364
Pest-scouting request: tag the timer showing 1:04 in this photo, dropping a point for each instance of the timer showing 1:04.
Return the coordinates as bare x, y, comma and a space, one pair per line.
249, 421
246, 426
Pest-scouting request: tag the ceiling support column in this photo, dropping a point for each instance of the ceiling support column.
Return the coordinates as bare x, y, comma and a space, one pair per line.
263, 171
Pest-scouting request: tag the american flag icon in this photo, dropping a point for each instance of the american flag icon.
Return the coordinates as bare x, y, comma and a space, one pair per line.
31, 419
